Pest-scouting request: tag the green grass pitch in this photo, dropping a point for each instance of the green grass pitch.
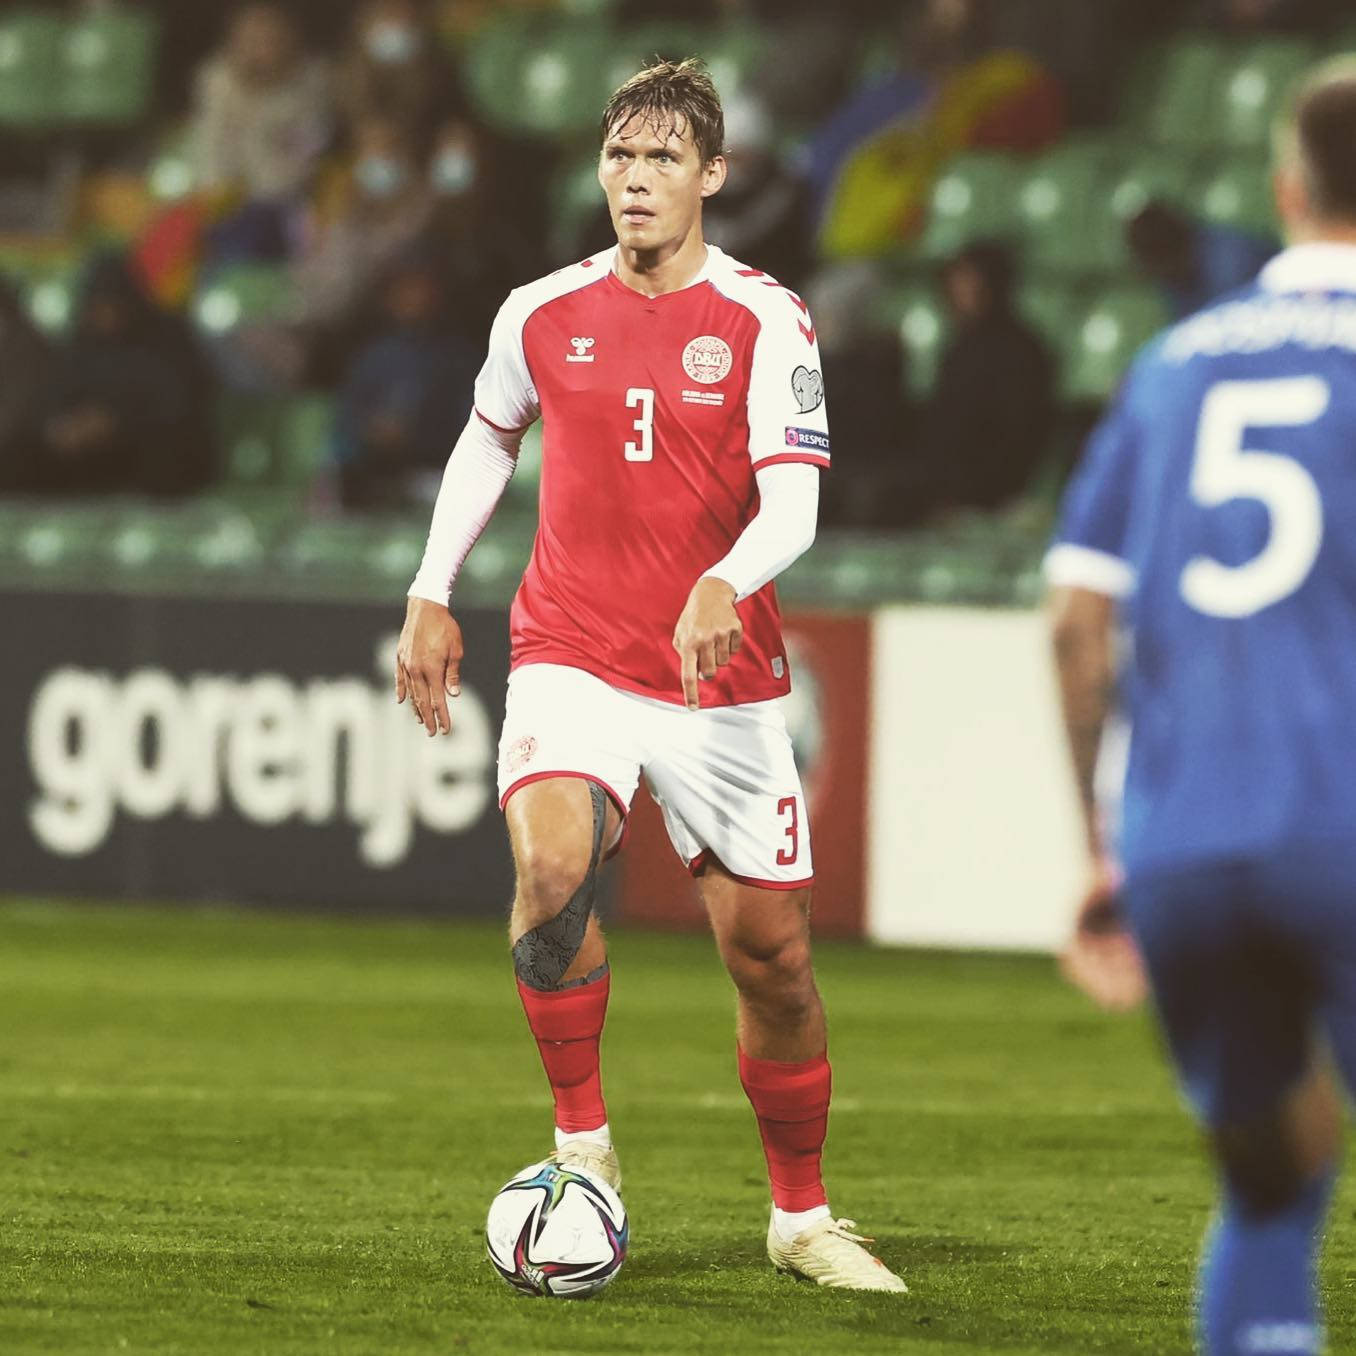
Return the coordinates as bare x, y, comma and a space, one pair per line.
229, 1132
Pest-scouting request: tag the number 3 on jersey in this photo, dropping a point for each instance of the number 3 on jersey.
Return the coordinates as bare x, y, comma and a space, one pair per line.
1225, 469
643, 449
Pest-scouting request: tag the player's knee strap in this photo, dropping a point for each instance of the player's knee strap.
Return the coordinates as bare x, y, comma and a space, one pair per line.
542, 955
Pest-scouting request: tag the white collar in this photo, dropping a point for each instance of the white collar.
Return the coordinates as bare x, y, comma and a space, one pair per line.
1317, 266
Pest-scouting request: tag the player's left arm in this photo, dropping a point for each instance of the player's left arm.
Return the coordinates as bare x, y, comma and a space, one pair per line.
788, 447
709, 632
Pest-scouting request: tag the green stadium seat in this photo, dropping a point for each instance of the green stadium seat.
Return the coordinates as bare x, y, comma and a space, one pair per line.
1180, 91
919, 313
49, 292
975, 195
1107, 337
1058, 203
1239, 194
306, 436
733, 54
636, 46
240, 294
1164, 176
532, 74
29, 42
106, 66
1051, 306
1253, 89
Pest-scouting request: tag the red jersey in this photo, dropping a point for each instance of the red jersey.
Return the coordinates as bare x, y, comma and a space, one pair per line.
656, 413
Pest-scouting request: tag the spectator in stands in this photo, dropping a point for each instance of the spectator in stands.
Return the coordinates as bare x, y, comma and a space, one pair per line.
406, 392
991, 416
386, 204
762, 213
473, 228
396, 67
25, 362
1191, 262
864, 367
263, 115
126, 408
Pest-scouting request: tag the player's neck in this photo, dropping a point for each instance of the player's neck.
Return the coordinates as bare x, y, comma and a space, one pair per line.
1322, 233
654, 272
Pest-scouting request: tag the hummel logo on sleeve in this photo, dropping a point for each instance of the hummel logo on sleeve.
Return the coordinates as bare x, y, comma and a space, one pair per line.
581, 352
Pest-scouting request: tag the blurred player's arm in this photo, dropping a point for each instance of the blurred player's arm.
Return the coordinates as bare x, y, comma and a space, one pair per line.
1082, 625
1101, 958
709, 632
428, 659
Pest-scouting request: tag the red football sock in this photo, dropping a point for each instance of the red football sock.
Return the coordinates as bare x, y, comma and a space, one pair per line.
791, 1102
567, 1026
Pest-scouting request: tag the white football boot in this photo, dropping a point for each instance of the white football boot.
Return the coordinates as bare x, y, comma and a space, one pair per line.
828, 1253
592, 1157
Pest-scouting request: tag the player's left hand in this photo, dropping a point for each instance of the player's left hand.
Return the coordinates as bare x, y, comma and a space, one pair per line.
708, 634
1101, 958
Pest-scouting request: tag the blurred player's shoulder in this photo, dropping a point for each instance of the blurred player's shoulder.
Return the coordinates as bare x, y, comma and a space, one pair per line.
1306, 297
532, 296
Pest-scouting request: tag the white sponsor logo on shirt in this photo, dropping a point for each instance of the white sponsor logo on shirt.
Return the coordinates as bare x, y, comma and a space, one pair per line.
703, 397
581, 352
708, 359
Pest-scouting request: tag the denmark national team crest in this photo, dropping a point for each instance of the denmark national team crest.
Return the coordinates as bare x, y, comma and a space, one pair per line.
708, 359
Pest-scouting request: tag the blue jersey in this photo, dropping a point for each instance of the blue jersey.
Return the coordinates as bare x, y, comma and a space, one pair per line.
1217, 500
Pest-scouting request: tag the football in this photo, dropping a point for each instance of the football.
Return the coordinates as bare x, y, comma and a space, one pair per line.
557, 1231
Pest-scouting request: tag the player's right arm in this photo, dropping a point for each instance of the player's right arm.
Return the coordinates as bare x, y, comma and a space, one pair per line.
428, 658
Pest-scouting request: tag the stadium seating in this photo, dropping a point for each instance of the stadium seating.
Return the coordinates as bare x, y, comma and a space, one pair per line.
918, 311
106, 65
239, 294
1177, 91
1136, 179
1238, 193
529, 73
1058, 204
975, 196
1101, 346
1252, 92
29, 43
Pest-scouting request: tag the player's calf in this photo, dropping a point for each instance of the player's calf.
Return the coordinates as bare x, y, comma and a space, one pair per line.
1258, 1290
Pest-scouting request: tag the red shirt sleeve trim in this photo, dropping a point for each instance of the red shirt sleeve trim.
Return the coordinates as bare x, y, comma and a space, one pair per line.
499, 428
781, 458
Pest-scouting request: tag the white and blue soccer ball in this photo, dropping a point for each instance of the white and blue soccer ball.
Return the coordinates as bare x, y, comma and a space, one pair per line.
555, 1230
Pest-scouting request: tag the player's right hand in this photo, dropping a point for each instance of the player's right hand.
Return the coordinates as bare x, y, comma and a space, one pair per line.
428, 663
1101, 958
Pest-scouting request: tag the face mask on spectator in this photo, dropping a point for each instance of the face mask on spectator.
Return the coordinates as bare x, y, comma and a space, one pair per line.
391, 43
380, 176
453, 171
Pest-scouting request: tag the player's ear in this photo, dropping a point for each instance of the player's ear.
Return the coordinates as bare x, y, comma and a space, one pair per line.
713, 175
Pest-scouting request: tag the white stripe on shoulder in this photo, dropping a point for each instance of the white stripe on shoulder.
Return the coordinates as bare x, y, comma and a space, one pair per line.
1081, 567
530, 297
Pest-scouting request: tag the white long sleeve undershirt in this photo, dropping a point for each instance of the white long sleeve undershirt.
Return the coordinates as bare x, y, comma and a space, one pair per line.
780, 532
481, 465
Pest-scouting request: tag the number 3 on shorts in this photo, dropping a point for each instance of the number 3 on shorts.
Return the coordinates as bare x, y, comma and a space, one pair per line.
786, 856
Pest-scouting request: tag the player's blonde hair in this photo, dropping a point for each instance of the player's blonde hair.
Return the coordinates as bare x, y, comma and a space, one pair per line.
1317, 132
663, 93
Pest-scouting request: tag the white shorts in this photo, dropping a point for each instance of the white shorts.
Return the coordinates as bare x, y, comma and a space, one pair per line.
725, 778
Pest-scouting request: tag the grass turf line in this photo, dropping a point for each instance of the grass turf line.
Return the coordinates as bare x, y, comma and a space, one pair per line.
229, 1132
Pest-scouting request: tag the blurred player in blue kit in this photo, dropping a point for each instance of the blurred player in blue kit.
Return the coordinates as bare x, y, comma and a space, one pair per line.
1214, 519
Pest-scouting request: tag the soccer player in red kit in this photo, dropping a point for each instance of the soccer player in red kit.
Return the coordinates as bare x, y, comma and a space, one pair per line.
684, 432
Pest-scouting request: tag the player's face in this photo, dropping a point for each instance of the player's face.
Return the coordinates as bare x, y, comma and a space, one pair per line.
655, 182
